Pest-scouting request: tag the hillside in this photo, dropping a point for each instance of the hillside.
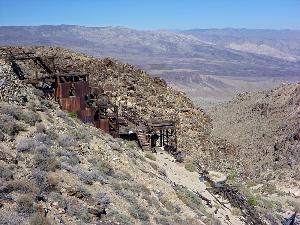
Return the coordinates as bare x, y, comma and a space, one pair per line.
55, 169
265, 128
230, 56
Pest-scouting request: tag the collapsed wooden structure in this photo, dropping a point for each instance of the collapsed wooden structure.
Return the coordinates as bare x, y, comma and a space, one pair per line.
73, 93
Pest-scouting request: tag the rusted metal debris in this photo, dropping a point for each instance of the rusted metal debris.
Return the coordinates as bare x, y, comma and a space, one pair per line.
234, 197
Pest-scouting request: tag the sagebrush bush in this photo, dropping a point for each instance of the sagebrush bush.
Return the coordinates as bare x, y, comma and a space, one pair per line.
49, 163
9, 126
11, 217
139, 212
25, 144
6, 172
89, 177
65, 140
22, 186
18, 113
74, 209
102, 199
44, 139
25, 204
52, 133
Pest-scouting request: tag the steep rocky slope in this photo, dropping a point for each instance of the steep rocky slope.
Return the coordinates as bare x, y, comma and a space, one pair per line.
57, 170
150, 96
266, 127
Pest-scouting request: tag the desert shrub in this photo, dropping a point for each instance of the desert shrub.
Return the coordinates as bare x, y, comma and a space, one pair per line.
11, 217
89, 177
232, 174
25, 204
45, 162
151, 200
43, 138
122, 175
252, 200
25, 144
163, 221
39, 219
22, 186
103, 167
29, 117
79, 134
137, 188
18, 113
268, 188
128, 196
102, 199
131, 144
2, 136
39, 178
150, 156
6, 172
169, 205
72, 114
72, 160
40, 128
84, 192
189, 199
190, 167
52, 182
139, 212
74, 209
52, 133
65, 140
62, 201
116, 216
9, 126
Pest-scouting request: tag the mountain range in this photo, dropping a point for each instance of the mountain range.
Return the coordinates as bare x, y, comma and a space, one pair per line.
208, 64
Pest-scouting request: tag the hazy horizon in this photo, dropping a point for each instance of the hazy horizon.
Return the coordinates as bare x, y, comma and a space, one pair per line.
154, 15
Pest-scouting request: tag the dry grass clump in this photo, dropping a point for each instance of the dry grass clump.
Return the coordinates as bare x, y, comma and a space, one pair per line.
25, 204
190, 167
150, 156
21, 186
39, 219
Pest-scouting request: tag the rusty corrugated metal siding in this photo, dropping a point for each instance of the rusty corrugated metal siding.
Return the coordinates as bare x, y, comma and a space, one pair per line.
87, 115
71, 104
104, 125
82, 88
63, 90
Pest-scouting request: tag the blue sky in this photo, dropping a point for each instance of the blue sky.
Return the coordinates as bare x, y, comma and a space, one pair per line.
154, 14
